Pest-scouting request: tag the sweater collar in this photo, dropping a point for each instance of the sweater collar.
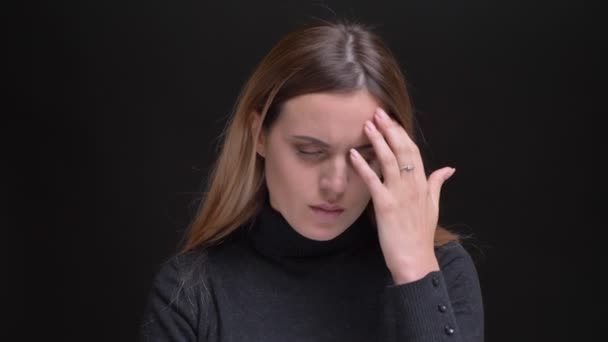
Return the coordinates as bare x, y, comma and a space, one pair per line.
273, 236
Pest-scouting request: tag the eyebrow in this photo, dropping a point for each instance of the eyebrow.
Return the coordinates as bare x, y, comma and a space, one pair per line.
326, 145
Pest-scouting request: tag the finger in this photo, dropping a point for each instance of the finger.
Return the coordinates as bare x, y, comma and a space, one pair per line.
369, 176
436, 181
405, 149
385, 121
384, 154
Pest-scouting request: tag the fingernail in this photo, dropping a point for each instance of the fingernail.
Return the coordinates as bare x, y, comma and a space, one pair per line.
451, 172
381, 114
369, 126
353, 153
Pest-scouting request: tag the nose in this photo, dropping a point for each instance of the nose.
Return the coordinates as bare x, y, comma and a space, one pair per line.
334, 180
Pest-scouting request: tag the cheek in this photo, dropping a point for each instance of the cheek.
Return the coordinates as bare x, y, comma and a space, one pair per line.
285, 170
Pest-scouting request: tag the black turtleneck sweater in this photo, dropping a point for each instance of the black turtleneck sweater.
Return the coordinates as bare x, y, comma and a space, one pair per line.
268, 283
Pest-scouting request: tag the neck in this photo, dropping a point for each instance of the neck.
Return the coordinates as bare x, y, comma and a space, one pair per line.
272, 236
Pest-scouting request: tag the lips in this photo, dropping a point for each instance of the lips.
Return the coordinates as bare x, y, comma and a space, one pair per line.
329, 208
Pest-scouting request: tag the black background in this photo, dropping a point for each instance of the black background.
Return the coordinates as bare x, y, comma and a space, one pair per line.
119, 105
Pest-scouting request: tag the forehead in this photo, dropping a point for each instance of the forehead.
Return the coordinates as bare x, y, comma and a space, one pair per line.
334, 118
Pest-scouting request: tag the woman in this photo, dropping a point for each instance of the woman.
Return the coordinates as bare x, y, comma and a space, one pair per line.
319, 223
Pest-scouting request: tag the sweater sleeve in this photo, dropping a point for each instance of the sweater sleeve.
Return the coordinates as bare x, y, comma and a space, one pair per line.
443, 306
172, 311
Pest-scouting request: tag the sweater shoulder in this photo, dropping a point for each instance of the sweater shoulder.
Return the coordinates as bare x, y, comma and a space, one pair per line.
453, 257
177, 308
181, 267
180, 277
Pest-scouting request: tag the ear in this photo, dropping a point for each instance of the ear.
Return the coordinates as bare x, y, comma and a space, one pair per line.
260, 144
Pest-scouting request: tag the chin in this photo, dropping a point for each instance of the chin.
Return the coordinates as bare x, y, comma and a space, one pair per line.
322, 233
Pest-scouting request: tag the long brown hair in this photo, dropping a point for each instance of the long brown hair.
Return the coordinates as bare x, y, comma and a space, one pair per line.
338, 57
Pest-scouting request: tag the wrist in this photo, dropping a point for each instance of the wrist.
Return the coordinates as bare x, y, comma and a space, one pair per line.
409, 273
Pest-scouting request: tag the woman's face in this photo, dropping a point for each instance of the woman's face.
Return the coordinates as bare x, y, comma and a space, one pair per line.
307, 161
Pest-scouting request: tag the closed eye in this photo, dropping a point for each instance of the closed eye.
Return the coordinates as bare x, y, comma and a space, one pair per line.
310, 152
368, 158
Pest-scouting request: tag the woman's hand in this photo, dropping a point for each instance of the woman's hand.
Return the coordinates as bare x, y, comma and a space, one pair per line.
406, 203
